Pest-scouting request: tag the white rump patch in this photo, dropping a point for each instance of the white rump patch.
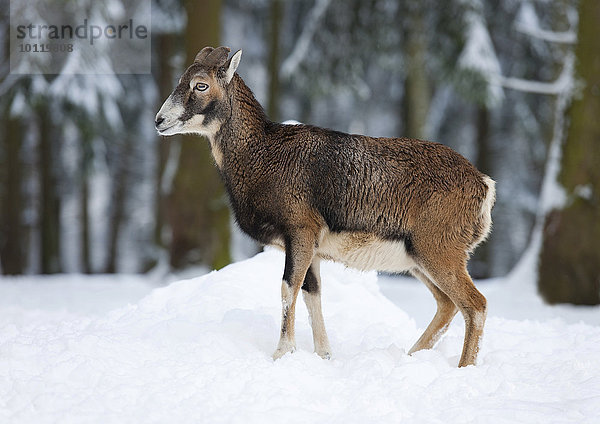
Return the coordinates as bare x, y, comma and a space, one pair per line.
486, 207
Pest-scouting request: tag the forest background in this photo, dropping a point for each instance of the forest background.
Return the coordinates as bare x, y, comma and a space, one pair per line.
87, 186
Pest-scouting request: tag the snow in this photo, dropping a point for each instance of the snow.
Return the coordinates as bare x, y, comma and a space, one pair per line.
95, 349
562, 84
527, 17
527, 22
479, 54
302, 46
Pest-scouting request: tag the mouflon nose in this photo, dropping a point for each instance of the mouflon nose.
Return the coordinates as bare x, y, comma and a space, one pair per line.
159, 120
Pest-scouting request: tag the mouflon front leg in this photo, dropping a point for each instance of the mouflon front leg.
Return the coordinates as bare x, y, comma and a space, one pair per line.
311, 292
299, 252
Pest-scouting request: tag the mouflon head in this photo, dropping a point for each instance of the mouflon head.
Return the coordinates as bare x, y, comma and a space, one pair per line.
200, 102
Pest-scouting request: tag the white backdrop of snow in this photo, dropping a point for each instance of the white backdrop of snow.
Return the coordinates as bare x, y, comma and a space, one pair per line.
199, 350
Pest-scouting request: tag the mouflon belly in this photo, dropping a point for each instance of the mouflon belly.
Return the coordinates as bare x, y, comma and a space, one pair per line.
365, 252
361, 251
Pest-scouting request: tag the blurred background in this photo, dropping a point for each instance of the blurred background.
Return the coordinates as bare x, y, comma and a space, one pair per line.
87, 186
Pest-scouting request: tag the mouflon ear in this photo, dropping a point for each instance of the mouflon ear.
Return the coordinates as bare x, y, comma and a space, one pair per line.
233, 64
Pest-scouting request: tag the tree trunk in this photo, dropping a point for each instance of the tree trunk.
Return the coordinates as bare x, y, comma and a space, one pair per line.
198, 212
569, 269
12, 238
417, 91
273, 65
49, 204
13, 258
165, 86
85, 161
84, 222
479, 265
118, 203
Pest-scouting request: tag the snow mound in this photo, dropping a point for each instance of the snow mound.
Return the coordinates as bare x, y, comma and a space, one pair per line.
199, 351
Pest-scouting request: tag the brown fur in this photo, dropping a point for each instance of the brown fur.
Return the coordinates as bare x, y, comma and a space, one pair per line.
357, 199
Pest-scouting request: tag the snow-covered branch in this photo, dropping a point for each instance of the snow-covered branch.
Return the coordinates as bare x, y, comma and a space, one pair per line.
563, 37
291, 63
563, 83
528, 23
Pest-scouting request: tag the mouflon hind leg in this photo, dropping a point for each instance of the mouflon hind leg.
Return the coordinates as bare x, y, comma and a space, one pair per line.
446, 310
311, 292
473, 306
449, 273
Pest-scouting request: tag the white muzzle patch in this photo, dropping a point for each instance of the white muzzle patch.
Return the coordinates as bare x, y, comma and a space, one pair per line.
167, 118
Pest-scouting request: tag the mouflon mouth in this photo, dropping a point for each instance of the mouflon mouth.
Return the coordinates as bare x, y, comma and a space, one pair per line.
168, 129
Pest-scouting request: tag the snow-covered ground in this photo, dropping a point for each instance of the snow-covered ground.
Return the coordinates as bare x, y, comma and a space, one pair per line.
78, 349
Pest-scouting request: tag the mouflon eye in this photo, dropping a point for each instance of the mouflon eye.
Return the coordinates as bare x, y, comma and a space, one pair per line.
201, 86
